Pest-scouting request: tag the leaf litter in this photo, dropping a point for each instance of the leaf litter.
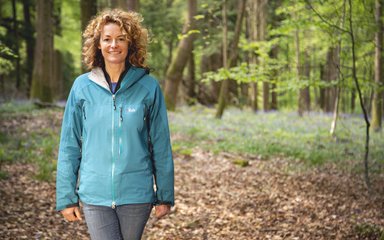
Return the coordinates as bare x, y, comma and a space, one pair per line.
215, 199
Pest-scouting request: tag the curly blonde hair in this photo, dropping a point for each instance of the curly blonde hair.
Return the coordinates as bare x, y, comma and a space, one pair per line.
130, 24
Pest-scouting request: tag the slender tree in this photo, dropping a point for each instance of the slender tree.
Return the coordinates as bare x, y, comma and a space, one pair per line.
16, 44
337, 65
43, 67
133, 5
252, 20
30, 42
118, 4
88, 10
189, 81
354, 76
225, 84
275, 22
377, 101
230, 62
274, 99
262, 15
257, 22
175, 69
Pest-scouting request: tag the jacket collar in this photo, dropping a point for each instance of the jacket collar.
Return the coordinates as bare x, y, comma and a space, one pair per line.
97, 75
133, 75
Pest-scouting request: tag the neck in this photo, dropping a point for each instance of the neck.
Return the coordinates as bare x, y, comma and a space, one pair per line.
114, 71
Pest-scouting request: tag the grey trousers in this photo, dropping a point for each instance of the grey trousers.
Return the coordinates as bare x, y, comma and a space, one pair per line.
125, 222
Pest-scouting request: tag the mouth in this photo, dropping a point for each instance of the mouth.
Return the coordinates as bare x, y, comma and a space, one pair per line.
114, 52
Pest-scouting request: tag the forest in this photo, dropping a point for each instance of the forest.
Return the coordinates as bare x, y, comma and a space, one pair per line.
275, 108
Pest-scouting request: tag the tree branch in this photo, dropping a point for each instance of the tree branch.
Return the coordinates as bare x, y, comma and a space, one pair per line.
325, 20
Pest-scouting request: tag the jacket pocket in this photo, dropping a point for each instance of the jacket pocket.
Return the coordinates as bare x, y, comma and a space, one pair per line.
132, 117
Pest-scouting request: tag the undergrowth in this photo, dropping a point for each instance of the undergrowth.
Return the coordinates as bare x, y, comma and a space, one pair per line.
278, 134
243, 132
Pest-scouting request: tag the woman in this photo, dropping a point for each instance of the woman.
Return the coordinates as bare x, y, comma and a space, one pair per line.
115, 140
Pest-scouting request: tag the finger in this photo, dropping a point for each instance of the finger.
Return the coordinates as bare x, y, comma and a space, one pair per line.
70, 216
78, 214
161, 212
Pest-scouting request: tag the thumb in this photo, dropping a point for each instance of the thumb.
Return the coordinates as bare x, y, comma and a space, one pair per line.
77, 213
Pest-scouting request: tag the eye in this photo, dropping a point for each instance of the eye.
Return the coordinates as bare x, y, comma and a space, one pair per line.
121, 39
105, 39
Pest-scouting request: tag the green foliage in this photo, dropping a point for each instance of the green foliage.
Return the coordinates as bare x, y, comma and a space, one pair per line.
6, 54
16, 107
69, 41
369, 231
165, 22
35, 145
241, 162
46, 160
277, 134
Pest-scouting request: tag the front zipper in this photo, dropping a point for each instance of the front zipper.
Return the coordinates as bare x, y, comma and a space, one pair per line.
85, 116
113, 152
120, 130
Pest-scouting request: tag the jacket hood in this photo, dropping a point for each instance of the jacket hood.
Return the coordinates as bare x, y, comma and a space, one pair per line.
133, 75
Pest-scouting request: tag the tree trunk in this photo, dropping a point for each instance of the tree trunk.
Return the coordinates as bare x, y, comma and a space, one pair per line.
16, 45
43, 68
321, 102
169, 43
208, 94
118, 4
225, 83
353, 100
133, 5
175, 70
58, 84
224, 88
307, 74
354, 75
88, 9
335, 112
233, 91
331, 74
274, 104
299, 71
338, 88
189, 81
30, 42
253, 36
170, 56
261, 28
377, 100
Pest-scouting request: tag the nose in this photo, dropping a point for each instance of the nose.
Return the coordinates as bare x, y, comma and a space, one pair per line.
114, 43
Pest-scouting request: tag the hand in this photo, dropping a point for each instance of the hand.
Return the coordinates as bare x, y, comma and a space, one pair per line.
162, 210
72, 214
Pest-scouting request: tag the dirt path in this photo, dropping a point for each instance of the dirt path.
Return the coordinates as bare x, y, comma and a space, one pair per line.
216, 200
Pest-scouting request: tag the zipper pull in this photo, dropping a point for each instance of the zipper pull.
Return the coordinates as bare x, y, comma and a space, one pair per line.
121, 114
114, 102
113, 205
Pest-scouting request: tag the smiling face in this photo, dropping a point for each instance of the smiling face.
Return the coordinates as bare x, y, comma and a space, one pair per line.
113, 45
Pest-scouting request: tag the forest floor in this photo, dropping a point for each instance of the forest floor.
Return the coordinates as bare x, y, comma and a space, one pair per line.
215, 199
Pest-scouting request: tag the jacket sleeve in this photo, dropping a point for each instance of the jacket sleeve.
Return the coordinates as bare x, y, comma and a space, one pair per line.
69, 156
162, 152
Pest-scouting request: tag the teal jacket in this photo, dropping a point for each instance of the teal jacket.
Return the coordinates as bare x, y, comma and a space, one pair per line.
114, 147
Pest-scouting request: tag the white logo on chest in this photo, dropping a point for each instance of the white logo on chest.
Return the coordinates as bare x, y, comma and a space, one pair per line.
131, 110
